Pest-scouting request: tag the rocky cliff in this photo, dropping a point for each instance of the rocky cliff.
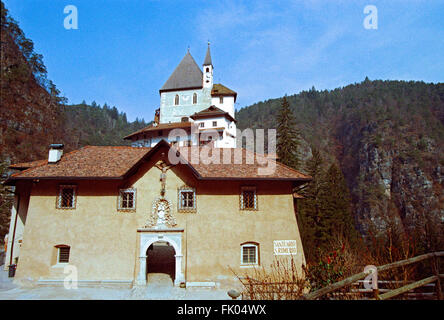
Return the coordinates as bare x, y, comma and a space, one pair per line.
387, 137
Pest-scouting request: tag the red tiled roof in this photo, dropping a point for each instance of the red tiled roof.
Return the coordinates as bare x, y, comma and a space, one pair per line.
243, 170
89, 162
161, 126
211, 112
105, 162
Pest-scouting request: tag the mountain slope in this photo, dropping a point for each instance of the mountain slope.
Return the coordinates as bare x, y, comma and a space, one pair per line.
388, 138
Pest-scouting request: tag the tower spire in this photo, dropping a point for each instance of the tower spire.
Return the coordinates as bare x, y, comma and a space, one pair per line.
207, 61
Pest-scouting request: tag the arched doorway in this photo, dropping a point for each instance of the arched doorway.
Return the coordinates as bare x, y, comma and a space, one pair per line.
151, 236
161, 259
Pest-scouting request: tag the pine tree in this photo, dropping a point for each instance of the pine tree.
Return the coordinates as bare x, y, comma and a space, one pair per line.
310, 207
287, 136
336, 215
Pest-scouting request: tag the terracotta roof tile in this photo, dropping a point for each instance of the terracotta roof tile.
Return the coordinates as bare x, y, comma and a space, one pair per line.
88, 162
105, 162
220, 90
161, 126
243, 170
211, 112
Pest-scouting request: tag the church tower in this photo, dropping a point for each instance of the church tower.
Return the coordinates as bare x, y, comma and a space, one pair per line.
208, 70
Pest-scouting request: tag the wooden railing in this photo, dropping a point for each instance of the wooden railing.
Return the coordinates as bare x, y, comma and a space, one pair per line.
435, 278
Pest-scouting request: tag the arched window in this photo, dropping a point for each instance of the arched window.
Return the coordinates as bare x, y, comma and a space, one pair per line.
195, 98
176, 100
249, 253
207, 69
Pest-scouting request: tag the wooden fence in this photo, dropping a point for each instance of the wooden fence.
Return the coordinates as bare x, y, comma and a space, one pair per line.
288, 290
435, 278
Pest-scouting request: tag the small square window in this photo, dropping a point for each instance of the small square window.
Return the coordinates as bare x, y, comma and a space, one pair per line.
248, 198
127, 199
187, 199
67, 197
214, 123
202, 124
250, 254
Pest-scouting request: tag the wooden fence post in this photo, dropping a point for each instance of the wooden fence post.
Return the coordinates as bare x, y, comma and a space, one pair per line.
438, 281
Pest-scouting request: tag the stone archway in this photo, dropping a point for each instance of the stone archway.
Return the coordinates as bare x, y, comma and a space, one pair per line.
149, 237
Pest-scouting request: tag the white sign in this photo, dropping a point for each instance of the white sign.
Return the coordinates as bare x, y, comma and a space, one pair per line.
285, 247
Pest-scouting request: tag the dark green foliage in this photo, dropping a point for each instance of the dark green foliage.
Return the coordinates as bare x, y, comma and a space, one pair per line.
287, 136
325, 213
93, 125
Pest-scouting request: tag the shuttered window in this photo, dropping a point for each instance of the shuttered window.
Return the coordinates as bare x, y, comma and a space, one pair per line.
63, 255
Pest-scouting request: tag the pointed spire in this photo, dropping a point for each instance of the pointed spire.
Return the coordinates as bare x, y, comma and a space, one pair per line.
207, 61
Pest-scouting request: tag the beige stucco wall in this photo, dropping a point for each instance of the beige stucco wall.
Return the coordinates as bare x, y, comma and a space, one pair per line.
105, 244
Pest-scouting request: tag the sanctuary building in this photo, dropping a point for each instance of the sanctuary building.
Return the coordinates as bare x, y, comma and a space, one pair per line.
117, 214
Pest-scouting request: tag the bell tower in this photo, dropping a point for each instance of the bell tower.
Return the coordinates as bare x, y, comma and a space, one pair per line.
208, 70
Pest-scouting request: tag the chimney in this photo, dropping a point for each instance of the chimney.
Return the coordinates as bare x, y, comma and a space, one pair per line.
55, 152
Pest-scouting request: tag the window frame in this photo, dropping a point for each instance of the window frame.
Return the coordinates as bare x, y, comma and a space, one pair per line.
241, 198
74, 197
250, 244
176, 100
184, 189
59, 248
202, 125
215, 123
120, 199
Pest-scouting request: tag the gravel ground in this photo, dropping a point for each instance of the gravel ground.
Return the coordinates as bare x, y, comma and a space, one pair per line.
159, 288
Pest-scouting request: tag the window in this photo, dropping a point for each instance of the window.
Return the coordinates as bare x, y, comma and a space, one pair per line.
176, 100
194, 98
67, 197
248, 198
202, 124
207, 69
187, 199
214, 123
221, 100
127, 199
250, 253
63, 253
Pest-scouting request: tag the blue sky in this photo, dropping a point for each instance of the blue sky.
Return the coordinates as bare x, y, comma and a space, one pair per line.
124, 50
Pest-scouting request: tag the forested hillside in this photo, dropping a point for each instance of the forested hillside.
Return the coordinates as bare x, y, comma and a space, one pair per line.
96, 125
386, 136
